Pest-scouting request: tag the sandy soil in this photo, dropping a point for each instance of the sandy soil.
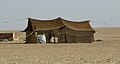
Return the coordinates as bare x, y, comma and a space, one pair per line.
106, 51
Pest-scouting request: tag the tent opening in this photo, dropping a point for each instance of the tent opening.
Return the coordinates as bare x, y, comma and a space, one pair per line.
41, 38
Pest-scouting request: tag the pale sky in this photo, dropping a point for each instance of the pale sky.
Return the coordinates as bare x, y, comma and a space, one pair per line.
102, 13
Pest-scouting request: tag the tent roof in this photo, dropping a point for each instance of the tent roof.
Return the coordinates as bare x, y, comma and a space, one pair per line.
81, 25
46, 24
58, 23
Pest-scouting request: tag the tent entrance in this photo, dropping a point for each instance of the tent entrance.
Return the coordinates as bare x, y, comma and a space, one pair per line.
41, 38
54, 40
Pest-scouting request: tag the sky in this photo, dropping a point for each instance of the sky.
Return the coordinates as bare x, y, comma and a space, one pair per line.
102, 13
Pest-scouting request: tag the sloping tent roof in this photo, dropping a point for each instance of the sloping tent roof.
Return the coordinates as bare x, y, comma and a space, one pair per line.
58, 23
44, 24
80, 25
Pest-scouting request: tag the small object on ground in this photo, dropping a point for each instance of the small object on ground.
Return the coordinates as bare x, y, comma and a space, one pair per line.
98, 40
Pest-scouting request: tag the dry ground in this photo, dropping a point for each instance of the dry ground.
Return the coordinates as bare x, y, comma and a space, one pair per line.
106, 51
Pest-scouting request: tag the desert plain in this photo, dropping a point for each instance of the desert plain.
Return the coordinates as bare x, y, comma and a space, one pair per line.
104, 50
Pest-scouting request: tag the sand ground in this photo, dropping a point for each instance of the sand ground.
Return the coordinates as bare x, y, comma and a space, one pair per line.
106, 51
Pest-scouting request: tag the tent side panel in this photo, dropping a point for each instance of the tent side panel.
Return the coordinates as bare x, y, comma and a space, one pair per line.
85, 37
31, 38
61, 38
70, 38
